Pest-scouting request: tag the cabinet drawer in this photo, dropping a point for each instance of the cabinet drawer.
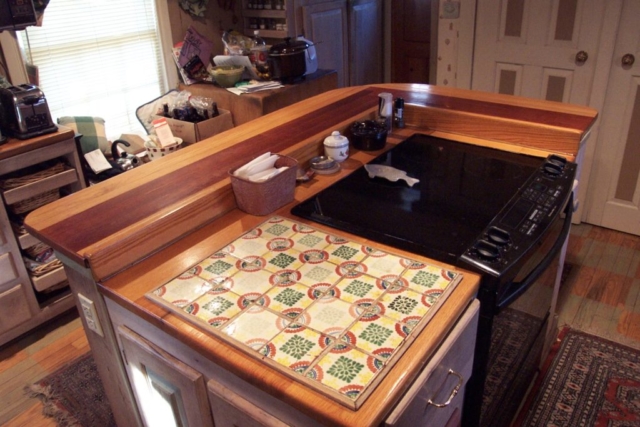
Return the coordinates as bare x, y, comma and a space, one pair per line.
7, 268
48, 280
448, 369
58, 180
26, 240
14, 308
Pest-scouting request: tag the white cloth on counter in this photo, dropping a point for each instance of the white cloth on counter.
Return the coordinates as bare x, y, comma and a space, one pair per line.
261, 168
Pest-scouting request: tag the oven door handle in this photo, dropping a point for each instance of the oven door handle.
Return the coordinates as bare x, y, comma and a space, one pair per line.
524, 284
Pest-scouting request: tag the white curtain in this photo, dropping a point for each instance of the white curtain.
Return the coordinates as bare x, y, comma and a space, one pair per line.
98, 58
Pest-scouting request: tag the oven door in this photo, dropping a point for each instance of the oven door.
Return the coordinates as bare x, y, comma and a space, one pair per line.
512, 334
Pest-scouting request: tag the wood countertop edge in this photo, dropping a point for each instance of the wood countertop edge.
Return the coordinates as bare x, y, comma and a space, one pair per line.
15, 146
128, 289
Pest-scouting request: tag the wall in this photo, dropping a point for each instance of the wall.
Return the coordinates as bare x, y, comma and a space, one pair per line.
216, 20
455, 45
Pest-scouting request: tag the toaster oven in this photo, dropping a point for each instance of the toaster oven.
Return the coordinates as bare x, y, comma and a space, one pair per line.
25, 112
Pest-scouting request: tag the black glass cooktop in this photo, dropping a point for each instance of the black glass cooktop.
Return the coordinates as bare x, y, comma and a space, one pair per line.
462, 188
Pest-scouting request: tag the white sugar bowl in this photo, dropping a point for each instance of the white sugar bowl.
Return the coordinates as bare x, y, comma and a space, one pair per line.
336, 146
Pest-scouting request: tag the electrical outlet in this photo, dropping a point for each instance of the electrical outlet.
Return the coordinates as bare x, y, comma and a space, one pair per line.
90, 314
451, 10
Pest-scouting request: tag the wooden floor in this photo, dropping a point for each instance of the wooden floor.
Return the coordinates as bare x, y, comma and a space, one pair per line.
601, 296
32, 357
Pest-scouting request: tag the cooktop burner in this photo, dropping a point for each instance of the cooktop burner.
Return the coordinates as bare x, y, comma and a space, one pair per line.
461, 190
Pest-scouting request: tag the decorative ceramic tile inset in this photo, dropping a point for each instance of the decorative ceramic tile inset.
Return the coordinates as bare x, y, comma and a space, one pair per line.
405, 303
328, 311
310, 240
183, 289
250, 281
382, 337
383, 264
312, 274
423, 278
359, 288
215, 309
287, 259
347, 370
286, 298
329, 314
254, 329
296, 347
340, 252
217, 267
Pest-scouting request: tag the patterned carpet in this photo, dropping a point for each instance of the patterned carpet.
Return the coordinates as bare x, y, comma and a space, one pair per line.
74, 395
586, 381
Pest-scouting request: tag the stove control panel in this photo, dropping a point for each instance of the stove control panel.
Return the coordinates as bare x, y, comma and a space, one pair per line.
525, 219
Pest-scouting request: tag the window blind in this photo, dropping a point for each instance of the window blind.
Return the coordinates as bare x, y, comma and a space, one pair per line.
98, 58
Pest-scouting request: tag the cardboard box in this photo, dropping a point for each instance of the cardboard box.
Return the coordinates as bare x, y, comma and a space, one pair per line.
194, 132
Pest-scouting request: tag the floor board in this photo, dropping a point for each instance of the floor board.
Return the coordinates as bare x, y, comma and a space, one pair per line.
601, 296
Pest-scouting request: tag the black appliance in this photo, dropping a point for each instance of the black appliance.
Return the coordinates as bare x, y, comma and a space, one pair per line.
16, 14
25, 112
503, 215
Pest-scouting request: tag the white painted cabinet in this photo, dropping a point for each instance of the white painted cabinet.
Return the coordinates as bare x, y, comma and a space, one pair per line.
28, 300
166, 371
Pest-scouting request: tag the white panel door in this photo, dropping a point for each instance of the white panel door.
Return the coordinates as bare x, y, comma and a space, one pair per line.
614, 188
541, 49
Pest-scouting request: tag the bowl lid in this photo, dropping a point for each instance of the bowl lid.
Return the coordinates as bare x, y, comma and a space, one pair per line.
336, 140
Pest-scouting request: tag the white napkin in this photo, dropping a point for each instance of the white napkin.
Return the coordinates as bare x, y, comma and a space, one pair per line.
260, 169
242, 170
266, 174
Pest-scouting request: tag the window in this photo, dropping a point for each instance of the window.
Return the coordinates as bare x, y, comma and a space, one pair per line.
98, 58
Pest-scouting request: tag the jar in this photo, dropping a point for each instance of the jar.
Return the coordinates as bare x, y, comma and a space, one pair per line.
336, 146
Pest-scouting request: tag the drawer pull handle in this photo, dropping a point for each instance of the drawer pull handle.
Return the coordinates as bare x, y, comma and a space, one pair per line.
453, 394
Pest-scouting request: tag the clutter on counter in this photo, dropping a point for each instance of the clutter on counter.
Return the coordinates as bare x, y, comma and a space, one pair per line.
191, 118
287, 61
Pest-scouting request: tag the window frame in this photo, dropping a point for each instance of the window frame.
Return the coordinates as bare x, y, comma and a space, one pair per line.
18, 73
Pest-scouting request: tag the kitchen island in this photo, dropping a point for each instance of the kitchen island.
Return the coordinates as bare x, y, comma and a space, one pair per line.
124, 238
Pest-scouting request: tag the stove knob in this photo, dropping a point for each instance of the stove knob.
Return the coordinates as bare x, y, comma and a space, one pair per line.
557, 160
554, 165
552, 169
486, 250
498, 236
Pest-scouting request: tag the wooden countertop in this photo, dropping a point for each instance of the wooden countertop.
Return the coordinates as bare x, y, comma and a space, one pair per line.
111, 225
142, 228
15, 146
128, 289
250, 106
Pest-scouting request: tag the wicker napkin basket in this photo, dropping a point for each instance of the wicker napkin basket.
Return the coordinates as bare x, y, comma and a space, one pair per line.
262, 198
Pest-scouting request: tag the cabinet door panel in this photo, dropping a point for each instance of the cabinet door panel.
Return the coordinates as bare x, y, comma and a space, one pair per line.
15, 308
7, 268
168, 392
365, 42
230, 409
325, 24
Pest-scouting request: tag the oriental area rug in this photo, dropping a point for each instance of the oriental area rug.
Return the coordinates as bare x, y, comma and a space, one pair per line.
74, 396
585, 381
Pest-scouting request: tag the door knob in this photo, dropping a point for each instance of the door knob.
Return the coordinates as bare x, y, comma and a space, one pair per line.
581, 57
628, 60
